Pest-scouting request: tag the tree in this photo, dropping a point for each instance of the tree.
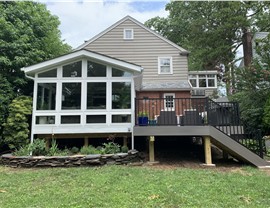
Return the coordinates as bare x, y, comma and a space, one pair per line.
6, 96
253, 88
211, 31
16, 129
29, 34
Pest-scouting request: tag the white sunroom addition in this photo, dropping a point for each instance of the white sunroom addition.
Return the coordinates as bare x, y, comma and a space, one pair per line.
82, 93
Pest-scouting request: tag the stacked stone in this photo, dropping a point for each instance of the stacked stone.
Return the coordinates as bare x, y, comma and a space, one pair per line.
132, 156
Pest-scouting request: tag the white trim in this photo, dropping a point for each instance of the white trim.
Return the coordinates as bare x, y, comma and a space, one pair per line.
139, 24
197, 78
169, 108
68, 58
125, 34
159, 66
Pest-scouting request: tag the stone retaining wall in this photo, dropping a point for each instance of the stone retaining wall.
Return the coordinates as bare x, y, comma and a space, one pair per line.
132, 156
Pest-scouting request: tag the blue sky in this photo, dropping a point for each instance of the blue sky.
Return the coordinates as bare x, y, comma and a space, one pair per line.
83, 19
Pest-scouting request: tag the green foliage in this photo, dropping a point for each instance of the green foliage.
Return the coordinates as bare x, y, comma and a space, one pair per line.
87, 150
253, 89
74, 150
143, 114
23, 151
266, 113
29, 34
38, 147
6, 96
54, 150
16, 128
124, 149
111, 148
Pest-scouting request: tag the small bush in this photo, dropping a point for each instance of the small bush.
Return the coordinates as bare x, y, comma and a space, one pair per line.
124, 149
22, 151
110, 148
87, 150
38, 147
53, 151
74, 150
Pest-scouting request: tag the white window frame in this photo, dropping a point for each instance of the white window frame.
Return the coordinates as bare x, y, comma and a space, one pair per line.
206, 78
125, 32
165, 101
159, 65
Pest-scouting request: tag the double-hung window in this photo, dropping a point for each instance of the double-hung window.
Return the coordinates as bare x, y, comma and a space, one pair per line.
165, 65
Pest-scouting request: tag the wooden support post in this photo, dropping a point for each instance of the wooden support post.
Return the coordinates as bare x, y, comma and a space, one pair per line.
86, 141
152, 150
207, 151
48, 143
125, 141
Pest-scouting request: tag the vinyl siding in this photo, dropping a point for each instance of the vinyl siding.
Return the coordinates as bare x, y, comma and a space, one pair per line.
143, 50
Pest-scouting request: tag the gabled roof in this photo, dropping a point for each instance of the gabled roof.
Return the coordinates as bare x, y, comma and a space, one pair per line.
138, 23
84, 53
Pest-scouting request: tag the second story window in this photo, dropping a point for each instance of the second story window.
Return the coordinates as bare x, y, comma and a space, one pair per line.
165, 65
203, 80
128, 34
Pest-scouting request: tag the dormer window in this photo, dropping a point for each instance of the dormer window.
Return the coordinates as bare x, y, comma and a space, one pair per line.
128, 34
165, 65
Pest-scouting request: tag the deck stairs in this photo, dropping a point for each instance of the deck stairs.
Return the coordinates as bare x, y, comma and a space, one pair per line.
230, 134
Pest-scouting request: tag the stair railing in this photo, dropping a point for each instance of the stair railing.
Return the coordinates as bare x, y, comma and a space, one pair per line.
226, 118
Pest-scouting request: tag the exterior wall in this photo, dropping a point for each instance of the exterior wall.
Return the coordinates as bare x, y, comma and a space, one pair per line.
155, 104
143, 50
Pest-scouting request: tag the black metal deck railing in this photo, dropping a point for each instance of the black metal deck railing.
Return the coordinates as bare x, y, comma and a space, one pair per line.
225, 116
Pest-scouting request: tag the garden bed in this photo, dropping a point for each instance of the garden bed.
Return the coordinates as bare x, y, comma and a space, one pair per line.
71, 161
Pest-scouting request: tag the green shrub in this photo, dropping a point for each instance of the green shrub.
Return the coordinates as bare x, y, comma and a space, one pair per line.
124, 149
87, 150
22, 151
16, 129
53, 151
110, 148
38, 147
74, 150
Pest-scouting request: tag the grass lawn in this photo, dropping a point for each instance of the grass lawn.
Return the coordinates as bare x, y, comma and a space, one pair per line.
122, 186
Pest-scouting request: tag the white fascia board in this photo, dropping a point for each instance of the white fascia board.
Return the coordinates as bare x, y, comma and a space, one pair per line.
81, 54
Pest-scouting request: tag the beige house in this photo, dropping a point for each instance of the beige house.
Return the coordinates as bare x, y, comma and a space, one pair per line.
130, 81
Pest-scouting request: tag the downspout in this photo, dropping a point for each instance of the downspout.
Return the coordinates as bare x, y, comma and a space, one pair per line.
32, 135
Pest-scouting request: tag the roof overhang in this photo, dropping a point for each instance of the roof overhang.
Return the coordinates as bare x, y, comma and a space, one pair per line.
81, 54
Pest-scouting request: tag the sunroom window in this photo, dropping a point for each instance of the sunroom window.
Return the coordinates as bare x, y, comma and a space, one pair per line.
71, 96
121, 95
96, 69
73, 69
120, 73
96, 95
48, 74
46, 94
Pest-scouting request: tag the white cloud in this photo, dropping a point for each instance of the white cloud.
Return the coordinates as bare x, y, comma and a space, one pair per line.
83, 20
